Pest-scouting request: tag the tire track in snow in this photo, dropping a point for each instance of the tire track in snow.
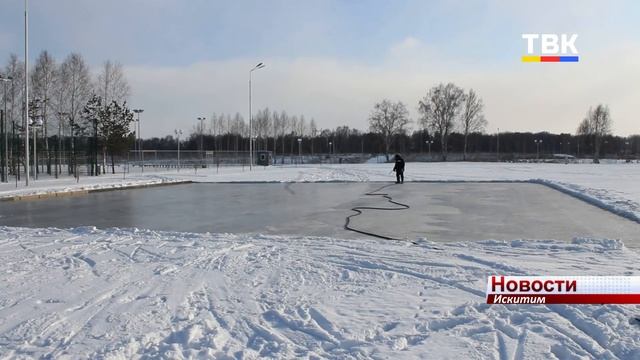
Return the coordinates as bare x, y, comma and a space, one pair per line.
441, 281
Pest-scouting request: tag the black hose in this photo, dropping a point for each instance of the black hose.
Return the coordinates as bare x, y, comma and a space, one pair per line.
358, 211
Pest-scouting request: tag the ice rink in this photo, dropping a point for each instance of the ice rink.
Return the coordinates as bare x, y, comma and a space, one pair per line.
438, 211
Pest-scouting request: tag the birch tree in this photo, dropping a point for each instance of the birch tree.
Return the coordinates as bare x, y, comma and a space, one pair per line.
472, 120
597, 123
389, 119
43, 80
75, 90
15, 70
112, 85
439, 109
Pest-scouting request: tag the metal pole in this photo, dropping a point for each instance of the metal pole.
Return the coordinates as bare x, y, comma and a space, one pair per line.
178, 153
35, 154
5, 159
139, 139
16, 168
140, 144
250, 127
26, 90
259, 66
498, 145
202, 119
4, 131
135, 142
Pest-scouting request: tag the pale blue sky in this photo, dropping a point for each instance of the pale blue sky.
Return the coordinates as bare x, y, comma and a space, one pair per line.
416, 43
172, 32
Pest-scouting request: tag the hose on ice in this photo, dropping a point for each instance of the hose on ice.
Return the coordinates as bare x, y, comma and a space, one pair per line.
358, 211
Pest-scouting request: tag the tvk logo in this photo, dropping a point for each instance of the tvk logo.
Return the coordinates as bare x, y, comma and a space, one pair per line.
551, 48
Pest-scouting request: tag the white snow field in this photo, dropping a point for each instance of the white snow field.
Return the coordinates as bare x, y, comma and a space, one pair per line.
121, 294
129, 293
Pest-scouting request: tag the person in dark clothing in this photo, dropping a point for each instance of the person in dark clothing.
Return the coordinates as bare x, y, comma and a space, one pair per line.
399, 169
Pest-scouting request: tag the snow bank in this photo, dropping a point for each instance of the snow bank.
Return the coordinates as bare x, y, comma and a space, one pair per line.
118, 293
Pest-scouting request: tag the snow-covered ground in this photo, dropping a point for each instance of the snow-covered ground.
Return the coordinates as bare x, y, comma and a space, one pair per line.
121, 294
127, 293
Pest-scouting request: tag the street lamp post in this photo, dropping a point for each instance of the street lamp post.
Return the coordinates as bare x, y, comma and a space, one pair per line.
259, 66
300, 150
178, 133
35, 125
202, 120
626, 148
498, 145
139, 140
429, 142
5, 157
538, 142
330, 152
3, 131
26, 91
58, 167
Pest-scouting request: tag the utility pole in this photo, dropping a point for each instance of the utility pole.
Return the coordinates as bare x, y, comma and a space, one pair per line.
498, 144
538, 142
259, 66
26, 91
4, 152
139, 140
202, 120
178, 133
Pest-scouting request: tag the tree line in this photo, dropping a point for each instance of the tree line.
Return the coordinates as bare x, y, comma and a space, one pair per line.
78, 112
344, 140
447, 108
70, 109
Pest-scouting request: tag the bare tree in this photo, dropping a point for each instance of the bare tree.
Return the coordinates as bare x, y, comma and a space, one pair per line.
597, 123
293, 126
313, 130
74, 92
14, 96
75, 79
472, 120
275, 128
224, 127
239, 128
43, 80
389, 119
213, 130
15, 70
301, 129
284, 125
262, 124
112, 84
439, 109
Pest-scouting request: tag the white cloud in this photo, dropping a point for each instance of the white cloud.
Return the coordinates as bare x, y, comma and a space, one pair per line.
522, 97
